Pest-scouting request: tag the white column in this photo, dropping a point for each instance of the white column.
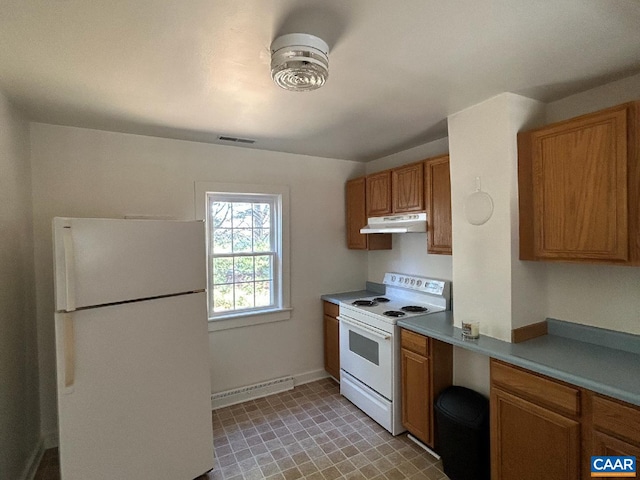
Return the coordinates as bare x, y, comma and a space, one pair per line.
490, 284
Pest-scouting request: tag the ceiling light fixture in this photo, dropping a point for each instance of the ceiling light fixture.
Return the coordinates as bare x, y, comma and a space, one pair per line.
299, 62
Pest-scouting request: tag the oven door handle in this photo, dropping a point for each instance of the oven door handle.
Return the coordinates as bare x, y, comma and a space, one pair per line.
364, 326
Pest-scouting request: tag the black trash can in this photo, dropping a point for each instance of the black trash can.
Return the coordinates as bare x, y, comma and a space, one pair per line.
462, 422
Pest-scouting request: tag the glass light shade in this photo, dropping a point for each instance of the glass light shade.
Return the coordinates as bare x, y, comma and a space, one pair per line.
299, 62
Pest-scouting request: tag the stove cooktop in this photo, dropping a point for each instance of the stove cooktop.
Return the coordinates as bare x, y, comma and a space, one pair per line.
390, 308
406, 296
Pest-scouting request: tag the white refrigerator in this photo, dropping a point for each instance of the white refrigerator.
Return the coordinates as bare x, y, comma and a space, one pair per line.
132, 349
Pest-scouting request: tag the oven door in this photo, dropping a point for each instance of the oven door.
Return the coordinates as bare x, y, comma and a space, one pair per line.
366, 353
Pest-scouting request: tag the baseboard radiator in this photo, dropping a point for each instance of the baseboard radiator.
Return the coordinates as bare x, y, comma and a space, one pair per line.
251, 392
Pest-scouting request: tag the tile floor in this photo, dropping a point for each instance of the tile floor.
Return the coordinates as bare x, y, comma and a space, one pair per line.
310, 432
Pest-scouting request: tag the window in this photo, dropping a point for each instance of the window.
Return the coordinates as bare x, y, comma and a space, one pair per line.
247, 258
244, 252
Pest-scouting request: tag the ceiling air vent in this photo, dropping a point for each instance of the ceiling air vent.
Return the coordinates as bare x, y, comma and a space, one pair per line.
235, 139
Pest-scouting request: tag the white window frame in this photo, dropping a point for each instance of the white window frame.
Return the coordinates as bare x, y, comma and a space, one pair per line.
282, 310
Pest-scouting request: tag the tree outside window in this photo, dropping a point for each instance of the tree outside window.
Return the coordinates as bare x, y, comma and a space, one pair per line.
243, 252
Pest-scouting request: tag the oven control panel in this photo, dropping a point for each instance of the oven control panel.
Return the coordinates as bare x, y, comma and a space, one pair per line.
414, 282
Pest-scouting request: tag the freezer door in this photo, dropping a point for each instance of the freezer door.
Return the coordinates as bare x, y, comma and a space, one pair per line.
134, 395
102, 261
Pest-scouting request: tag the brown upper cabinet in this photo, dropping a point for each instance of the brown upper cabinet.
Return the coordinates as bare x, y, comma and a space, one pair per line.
379, 194
400, 190
417, 187
437, 180
579, 189
356, 215
407, 188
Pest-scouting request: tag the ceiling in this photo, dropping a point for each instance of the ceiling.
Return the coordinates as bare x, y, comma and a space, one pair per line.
199, 69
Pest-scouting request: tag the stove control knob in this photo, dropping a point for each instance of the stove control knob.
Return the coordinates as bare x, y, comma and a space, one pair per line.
413, 281
419, 284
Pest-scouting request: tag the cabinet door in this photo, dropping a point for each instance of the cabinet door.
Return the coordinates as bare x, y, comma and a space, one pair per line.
529, 442
356, 218
332, 346
573, 181
438, 203
407, 188
604, 444
356, 213
379, 194
416, 395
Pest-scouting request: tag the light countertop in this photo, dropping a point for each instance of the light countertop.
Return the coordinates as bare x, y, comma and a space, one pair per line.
603, 369
372, 290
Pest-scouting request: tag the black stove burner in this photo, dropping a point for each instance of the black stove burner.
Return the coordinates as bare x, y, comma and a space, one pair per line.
394, 313
365, 303
381, 299
414, 309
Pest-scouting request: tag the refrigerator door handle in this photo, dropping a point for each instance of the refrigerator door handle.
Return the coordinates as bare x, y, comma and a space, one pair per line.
69, 261
69, 373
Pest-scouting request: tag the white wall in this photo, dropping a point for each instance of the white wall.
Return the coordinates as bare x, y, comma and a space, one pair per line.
415, 154
601, 296
609, 95
19, 405
482, 141
81, 172
471, 370
489, 281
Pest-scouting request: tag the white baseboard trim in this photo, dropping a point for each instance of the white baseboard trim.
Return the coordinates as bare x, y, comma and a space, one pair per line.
263, 389
309, 377
250, 392
423, 446
31, 467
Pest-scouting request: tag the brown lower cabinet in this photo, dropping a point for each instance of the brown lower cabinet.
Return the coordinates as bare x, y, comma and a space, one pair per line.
545, 428
531, 441
331, 330
427, 369
615, 427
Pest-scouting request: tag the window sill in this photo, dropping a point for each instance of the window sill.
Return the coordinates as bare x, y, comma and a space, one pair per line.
248, 319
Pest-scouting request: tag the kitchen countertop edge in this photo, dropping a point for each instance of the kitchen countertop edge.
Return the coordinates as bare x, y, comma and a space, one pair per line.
372, 289
602, 369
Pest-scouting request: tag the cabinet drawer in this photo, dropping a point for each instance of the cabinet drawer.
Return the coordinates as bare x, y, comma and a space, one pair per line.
414, 342
331, 309
539, 389
616, 418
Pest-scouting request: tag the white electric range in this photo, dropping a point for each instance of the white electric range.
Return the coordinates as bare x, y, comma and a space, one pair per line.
370, 342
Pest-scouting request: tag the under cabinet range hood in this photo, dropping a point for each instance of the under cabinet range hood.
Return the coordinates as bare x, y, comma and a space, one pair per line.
407, 223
